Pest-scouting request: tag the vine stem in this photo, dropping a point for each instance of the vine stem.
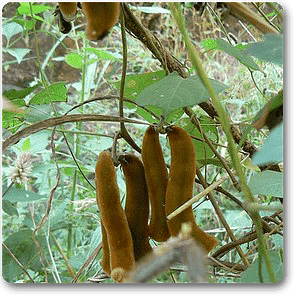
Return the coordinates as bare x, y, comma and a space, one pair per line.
233, 152
38, 126
123, 131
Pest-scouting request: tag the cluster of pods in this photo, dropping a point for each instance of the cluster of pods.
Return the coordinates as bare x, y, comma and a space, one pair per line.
150, 190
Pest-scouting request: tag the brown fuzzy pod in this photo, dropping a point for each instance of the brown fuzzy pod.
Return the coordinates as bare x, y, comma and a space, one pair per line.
180, 186
105, 262
113, 217
157, 180
137, 203
101, 17
68, 10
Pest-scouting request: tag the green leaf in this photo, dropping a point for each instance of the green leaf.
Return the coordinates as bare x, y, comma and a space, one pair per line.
28, 24
251, 275
9, 121
74, 60
40, 8
101, 54
152, 9
24, 9
272, 150
20, 195
210, 44
56, 92
241, 56
135, 84
210, 161
26, 145
9, 208
145, 115
238, 218
18, 53
10, 29
96, 237
20, 94
267, 183
242, 46
272, 104
39, 141
24, 249
271, 49
173, 92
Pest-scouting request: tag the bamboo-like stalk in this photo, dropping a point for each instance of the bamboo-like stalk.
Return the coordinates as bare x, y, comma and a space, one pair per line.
177, 14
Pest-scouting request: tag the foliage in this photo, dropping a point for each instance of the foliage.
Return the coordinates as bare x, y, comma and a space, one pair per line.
71, 232
173, 92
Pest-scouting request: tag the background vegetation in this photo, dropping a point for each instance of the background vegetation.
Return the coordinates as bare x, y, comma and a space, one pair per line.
50, 220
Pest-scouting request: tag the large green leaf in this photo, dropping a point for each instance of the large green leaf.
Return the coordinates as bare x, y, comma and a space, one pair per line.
20, 195
11, 120
271, 49
210, 161
212, 44
173, 92
267, 183
238, 218
135, 84
251, 275
272, 150
241, 56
